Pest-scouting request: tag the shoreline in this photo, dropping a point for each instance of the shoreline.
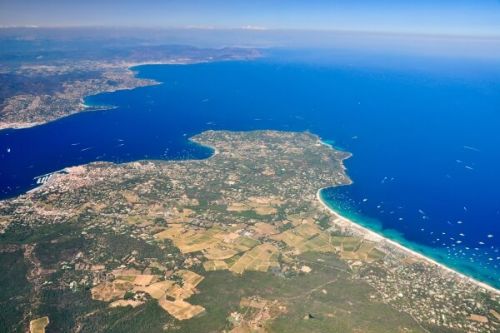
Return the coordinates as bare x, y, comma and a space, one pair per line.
363, 231
214, 152
128, 66
381, 238
366, 232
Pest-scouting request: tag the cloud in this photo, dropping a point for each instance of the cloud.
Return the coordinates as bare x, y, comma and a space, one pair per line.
253, 27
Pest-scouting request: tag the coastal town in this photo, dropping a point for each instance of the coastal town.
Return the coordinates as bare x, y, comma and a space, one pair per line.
238, 242
38, 91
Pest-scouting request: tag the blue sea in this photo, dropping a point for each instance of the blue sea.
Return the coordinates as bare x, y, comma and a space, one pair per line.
424, 133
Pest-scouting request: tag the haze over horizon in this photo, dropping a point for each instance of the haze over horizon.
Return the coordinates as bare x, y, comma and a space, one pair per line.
443, 17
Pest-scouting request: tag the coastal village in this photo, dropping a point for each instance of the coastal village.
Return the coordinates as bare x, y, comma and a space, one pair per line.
238, 242
56, 89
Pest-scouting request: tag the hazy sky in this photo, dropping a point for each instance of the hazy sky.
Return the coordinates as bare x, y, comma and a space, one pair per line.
469, 17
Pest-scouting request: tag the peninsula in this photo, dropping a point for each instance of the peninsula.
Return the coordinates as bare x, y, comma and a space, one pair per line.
37, 91
238, 242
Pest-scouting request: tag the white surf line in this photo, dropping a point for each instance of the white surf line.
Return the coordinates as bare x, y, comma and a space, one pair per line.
378, 236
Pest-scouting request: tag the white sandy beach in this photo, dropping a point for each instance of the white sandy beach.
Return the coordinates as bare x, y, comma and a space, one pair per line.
371, 235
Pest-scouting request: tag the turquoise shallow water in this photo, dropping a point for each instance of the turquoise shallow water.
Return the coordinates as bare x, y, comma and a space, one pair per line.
423, 133
377, 226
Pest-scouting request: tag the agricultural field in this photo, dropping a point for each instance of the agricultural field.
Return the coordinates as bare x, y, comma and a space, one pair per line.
38, 325
260, 258
127, 288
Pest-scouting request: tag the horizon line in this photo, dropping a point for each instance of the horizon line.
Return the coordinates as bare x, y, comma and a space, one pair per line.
261, 29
